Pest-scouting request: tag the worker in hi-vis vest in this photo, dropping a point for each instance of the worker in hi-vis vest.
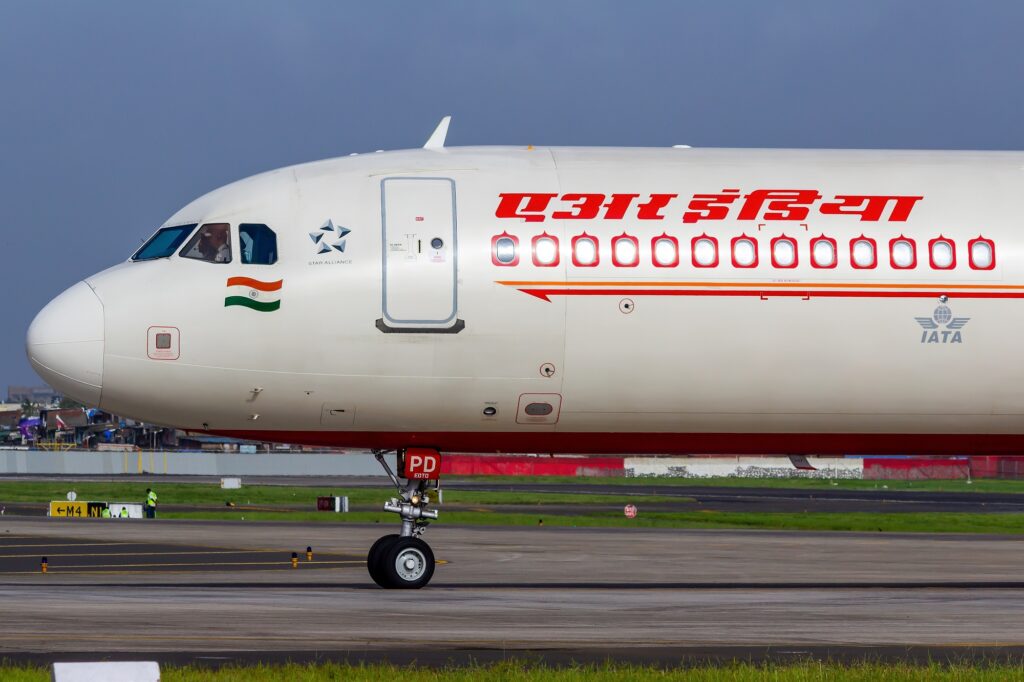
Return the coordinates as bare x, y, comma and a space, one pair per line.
150, 504
124, 512
105, 512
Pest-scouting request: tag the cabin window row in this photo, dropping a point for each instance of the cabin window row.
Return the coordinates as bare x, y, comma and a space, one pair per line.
743, 252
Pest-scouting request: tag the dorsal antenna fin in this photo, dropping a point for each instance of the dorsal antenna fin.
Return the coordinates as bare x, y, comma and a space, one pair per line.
436, 140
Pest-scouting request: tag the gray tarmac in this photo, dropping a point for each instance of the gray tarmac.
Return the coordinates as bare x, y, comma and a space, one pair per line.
208, 591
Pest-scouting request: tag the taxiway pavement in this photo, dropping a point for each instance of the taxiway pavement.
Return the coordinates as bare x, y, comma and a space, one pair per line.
226, 591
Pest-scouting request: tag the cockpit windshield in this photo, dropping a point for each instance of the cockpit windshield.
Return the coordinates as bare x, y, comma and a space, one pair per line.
164, 243
212, 244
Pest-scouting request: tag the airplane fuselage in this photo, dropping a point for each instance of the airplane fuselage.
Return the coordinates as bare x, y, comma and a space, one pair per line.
577, 300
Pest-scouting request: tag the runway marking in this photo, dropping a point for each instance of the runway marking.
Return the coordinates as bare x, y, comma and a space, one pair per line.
234, 551
79, 544
282, 562
71, 570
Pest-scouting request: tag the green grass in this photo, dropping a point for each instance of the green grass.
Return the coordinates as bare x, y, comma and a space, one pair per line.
514, 671
978, 486
295, 504
202, 494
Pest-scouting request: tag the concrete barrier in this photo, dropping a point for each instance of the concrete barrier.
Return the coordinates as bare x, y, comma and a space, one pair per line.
90, 462
109, 671
745, 467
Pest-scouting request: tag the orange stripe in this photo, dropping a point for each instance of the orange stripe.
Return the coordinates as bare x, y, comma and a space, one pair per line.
255, 283
760, 285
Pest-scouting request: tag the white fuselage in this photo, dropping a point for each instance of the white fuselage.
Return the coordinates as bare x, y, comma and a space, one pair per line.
454, 298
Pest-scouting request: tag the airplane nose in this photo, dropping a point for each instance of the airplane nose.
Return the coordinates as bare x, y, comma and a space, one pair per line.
65, 344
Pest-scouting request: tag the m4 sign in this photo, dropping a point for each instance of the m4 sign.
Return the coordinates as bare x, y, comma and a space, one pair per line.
422, 463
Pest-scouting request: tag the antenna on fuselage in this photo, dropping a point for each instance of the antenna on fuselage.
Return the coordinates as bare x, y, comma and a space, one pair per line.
436, 140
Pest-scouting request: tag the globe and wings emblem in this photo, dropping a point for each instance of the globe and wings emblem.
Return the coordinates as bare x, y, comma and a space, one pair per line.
329, 237
942, 316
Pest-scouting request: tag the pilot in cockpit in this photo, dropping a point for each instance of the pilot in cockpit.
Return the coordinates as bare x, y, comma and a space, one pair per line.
214, 244
211, 244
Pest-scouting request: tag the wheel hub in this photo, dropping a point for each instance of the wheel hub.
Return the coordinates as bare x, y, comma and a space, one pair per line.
410, 564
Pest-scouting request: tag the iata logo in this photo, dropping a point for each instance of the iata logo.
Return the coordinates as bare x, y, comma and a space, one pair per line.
942, 327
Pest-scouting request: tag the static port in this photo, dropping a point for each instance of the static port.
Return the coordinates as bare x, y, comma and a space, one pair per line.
490, 411
436, 243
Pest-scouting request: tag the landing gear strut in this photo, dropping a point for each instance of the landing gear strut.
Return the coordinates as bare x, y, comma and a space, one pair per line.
404, 561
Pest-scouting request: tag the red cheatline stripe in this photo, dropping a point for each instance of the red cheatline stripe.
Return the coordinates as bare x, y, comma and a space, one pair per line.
546, 294
255, 283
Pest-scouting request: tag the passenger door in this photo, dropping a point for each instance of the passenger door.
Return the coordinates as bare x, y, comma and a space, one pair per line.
419, 239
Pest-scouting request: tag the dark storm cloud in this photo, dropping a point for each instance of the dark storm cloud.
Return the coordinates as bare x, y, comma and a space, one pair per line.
112, 115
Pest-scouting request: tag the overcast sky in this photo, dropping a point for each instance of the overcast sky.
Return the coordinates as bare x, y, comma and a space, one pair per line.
115, 114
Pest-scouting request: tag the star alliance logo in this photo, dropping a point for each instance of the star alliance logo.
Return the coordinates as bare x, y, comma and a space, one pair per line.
942, 327
329, 237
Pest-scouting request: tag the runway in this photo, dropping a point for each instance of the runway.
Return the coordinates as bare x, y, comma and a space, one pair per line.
555, 593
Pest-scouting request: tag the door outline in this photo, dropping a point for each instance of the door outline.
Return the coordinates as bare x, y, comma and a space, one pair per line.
382, 323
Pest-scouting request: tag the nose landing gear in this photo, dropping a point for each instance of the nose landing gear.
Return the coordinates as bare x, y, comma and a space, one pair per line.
404, 561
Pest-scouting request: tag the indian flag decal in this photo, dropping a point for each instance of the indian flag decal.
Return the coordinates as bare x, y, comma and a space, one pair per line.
253, 293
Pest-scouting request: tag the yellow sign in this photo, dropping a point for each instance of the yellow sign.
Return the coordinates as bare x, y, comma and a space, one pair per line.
77, 509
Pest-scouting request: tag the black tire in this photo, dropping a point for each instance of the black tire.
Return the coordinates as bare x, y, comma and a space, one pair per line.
375, 557
408, 564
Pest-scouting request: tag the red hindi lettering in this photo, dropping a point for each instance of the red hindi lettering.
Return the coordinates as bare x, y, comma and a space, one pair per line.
651, 209
617, 206
871, 207
710, 206
584, 207
533, 211
782, 204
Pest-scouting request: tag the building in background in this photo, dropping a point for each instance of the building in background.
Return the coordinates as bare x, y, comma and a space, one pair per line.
36, 395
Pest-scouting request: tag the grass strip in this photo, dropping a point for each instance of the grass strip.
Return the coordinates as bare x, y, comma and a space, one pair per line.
795, 482
611, 672
263, 495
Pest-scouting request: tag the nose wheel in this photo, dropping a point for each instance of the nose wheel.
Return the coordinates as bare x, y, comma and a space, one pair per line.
397, 562
403, 560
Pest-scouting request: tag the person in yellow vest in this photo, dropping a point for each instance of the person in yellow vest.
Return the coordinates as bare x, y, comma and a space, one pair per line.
124, 512
105, 513
150, 504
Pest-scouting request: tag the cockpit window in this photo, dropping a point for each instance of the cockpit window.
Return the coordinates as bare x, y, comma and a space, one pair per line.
258, 244
212, 243
164, 243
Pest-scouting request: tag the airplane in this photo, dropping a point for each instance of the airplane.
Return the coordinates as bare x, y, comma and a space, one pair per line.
568, 300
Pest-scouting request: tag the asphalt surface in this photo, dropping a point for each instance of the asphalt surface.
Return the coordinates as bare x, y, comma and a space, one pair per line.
193, 591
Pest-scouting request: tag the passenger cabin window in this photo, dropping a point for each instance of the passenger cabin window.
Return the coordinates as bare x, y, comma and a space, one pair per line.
784, 252
902, 253
505, 249
862, 253
982, 253
625, 251
705, 251
545, 250
665, 251
164, 243
212, 243
258, 243
585, 252
823, 252
942, 254
744, 252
